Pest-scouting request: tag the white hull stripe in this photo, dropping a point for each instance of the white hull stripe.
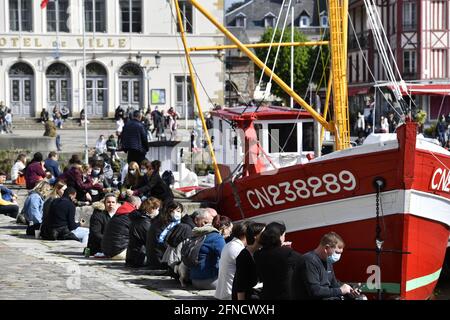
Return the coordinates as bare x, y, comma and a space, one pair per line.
422, 281
359, 208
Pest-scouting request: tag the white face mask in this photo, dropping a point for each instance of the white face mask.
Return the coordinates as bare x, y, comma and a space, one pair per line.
96, 172
176, 215
132, 172
143, 172
154, 213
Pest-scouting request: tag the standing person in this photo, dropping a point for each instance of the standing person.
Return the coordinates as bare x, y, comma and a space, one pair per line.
34, 171
57, 118
2, 117
50, 131
275, 263
119, 113
8, 121
314, 277
134, 139
82, 117
227, 263
158, 122
140, 224
98, 223
51, 164
61, 220
119, 129
117, 232
173, 122
18, 170
246, 276
155, 186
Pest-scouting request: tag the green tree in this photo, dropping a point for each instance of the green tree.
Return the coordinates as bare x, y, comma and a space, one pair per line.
303, 61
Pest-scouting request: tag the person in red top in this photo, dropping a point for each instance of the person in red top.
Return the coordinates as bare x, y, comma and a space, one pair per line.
35, 172
74, 178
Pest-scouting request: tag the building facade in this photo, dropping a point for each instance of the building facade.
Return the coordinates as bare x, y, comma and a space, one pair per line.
419, 35
248, 23
132, 51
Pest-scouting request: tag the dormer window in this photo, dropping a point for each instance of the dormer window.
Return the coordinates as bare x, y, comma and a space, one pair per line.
269, 20
304, 22
324, 21
241, 20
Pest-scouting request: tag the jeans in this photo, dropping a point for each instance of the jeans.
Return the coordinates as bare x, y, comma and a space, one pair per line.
58, 142
82, 234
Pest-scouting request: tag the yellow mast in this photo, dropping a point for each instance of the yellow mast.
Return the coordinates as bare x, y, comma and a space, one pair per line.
338, 11
194, 87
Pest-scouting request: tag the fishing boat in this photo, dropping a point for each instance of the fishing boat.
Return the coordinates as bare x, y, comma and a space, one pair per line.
389, 198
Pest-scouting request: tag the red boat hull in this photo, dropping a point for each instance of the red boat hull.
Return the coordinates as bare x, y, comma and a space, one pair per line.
338, 194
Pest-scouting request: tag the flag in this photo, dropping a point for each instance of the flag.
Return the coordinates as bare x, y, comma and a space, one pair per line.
44, 4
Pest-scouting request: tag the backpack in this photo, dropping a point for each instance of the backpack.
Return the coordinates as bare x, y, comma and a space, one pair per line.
190, 250
168, 178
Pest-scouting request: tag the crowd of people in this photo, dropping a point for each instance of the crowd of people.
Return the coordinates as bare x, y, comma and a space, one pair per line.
6, 119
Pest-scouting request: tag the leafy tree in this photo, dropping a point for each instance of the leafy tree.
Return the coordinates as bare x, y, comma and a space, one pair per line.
304, 60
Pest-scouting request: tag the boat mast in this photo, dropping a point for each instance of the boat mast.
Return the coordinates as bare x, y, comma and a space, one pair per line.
194, 87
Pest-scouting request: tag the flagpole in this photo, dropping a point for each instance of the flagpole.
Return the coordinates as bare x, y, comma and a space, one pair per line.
83, 26
57, 27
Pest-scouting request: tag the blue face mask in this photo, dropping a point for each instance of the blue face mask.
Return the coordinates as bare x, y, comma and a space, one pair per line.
335, 257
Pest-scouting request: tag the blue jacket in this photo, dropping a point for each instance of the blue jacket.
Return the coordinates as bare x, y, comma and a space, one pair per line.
209, 255
134, 137
52, 166
6, 194
33, 208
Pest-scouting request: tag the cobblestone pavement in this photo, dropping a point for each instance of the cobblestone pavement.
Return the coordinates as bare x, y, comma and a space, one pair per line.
54, 270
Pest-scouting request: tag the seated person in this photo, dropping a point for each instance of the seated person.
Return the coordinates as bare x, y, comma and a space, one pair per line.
33, 208
98, 222
35, 171
140, 223
78, 179
61, 220
18, 170
117, 232
314, 278
8, 205
155, 186
51, 164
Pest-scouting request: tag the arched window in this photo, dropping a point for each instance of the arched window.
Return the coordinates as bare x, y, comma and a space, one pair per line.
130, 70
58, 70
21, 69
95, 69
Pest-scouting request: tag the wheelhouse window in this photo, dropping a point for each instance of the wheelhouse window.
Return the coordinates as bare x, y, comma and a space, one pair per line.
95, 15
61, 18
131, 13
20, 15
187, 15
308, 136
282, 137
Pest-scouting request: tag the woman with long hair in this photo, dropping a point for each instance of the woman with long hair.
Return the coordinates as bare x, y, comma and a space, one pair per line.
33, 208
155, 186
275, 263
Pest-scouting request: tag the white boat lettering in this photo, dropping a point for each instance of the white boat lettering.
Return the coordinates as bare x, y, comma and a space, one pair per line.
440, 180
283, 192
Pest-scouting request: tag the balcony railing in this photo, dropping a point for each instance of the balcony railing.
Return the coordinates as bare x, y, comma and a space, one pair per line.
362, 37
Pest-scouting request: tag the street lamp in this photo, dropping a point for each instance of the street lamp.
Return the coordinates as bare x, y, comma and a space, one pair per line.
147, 68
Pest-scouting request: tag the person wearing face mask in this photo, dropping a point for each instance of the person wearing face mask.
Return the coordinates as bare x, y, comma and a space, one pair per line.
140, 223
154, 185
133, 179
98, 222
314, 277
160, 229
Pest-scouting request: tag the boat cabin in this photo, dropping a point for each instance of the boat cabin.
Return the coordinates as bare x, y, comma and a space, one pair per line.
261, 139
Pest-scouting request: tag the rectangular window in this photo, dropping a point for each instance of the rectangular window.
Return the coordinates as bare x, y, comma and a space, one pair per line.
409, 16
23, 20
62, 17
308, 136
282, 137
99, 7
409, 62
131, 11
184, 94
439, 15
187, 16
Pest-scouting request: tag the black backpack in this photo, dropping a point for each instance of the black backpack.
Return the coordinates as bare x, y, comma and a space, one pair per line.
168, 178
190, 250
